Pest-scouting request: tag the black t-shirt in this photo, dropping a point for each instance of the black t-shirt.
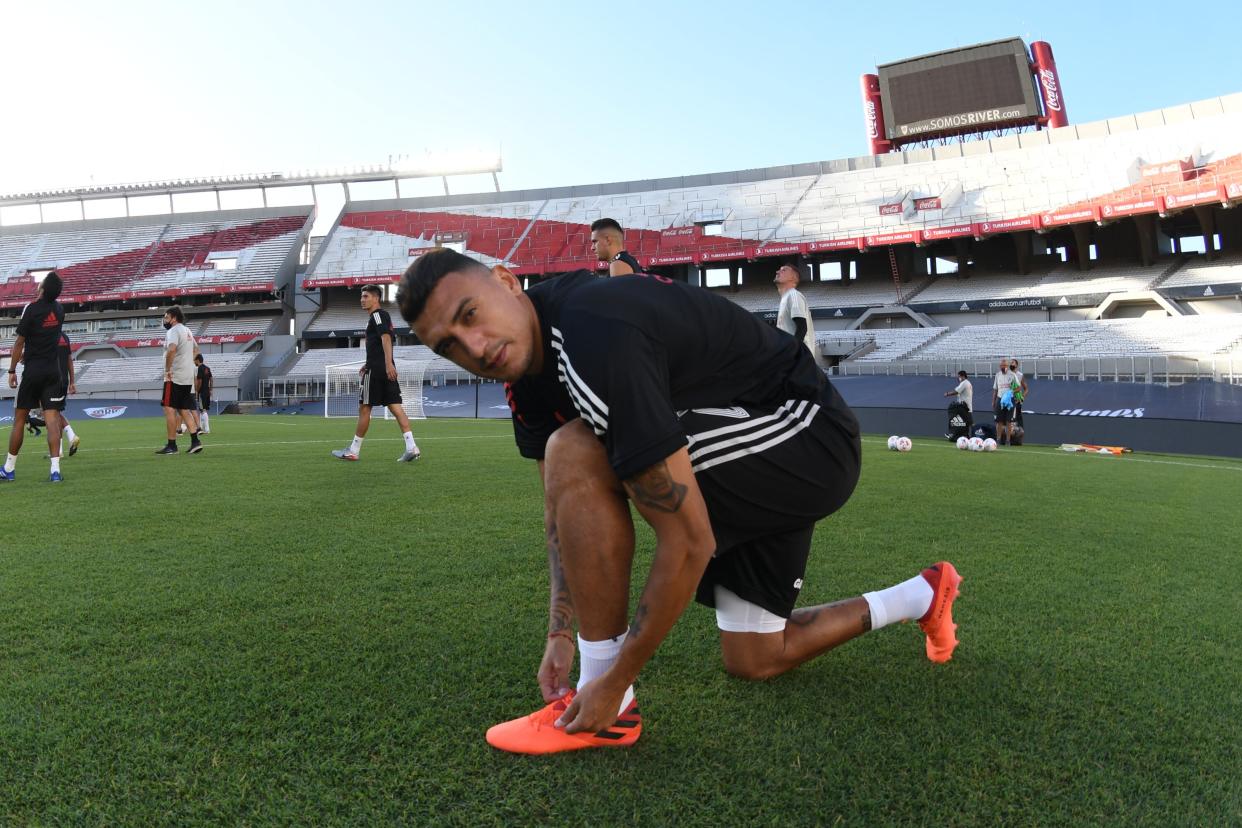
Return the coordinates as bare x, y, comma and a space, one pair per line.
631, 351
63, 354
378, 324
204, 380
40, 325
624, 256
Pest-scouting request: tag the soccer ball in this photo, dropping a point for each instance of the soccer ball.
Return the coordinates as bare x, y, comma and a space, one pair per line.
892, 442
963, 443
989, 444
904, 444
976, 444
1106, 451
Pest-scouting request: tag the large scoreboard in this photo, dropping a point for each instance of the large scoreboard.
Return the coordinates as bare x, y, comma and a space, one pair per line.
958, 91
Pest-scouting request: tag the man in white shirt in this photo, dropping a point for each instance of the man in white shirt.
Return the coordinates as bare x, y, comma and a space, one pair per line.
178, 398
965, 393
794, 317
1002, 382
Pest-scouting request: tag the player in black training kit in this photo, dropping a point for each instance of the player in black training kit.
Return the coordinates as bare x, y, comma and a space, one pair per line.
202, 389
717, 427
378, 381
608, 242
42, 386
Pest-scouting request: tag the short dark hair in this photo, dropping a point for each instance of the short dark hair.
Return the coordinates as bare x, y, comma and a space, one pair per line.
962, 374
51, 286
606, 224
374, 290
424, 273
198, 357
175, 313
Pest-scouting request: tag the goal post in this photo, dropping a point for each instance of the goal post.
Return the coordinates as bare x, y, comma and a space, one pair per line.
342, 383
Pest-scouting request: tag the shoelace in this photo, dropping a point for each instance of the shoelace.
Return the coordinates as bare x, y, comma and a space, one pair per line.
546, 716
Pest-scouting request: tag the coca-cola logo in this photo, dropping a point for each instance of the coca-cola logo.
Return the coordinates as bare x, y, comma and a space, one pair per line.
873, 129
1052, 96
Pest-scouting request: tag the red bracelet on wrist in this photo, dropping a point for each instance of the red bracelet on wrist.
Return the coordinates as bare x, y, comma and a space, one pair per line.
562, 634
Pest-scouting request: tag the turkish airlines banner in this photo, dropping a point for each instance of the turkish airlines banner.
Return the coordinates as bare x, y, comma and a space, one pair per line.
1233, 190
1155, 204
987, 228
722, 255
1174, 201
906, 237
779, 250
674, 259
350, 281
1071, 216
950, 232
834, 244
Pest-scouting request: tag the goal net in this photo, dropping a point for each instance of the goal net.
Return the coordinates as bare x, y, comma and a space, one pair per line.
342, 384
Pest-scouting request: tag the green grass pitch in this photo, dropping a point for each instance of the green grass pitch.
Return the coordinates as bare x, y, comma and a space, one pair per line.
263, 635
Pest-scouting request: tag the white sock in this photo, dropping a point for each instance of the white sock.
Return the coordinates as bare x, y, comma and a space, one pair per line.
55, 464
205, 425
594, 659
10, 462
67, 432
905, 602
356, 446
410, 445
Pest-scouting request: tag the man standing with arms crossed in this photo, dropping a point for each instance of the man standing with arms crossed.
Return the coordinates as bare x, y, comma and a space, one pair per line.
378, 381
202, 390
178, 397
38, 335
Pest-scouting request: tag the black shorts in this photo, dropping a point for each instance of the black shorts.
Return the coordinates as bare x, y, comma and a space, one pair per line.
180, 397
1003, 415
204, 402
767, 476
41, 387
377, 389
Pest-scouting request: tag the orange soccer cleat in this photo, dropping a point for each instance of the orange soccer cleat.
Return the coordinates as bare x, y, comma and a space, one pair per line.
937, 623
538, 733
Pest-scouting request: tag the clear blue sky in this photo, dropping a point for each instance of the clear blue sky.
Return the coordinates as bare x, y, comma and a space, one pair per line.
571, 92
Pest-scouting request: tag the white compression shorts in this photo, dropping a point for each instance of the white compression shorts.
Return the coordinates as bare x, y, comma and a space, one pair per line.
734, 614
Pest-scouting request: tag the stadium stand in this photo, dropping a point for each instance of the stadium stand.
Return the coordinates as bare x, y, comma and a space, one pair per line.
890, 343
1198, 272
242, 251
1182, 335
147, 372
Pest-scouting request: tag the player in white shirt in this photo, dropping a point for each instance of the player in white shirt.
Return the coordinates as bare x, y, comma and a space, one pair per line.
794, 317
178, 398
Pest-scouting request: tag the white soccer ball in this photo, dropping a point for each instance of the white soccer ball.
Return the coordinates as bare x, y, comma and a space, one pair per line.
892, 442
904, 444
1106, 451
963, 443
989, 444
976, 444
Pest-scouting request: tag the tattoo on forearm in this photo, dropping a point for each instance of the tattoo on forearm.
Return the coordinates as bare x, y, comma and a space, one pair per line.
640, 618
561, 609
656, 488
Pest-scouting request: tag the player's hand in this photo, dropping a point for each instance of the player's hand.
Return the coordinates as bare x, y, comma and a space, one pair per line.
392, 372
362, 372
558, 658
12, 380
595, 707
73, 389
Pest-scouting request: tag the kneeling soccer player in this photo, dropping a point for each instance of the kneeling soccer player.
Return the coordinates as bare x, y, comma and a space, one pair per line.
721, 431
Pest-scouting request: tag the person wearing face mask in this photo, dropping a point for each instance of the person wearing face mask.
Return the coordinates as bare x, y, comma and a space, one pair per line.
178, 397
1020, 393
1002, 393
